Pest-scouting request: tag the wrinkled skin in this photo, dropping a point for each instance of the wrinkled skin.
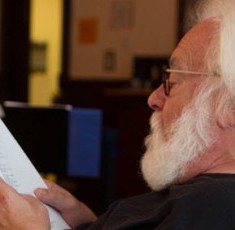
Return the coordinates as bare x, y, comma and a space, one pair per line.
21, 212
72, 210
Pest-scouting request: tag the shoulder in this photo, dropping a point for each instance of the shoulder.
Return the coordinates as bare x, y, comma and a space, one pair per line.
142, 203
213, 189
208, 185
206, 202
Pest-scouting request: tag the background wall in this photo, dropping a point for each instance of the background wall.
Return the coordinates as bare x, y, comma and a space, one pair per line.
105, 35
46, 27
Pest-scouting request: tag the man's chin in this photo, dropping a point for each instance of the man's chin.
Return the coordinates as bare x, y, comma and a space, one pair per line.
157, 167
155, 174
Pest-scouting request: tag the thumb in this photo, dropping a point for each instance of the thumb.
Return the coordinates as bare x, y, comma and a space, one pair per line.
55, 196
41, 192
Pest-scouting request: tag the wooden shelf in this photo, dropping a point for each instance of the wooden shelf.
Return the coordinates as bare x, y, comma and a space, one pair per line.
128, 92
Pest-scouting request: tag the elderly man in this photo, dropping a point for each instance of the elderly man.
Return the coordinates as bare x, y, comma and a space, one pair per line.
189, 161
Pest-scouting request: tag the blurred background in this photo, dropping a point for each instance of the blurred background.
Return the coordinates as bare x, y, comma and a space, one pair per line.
100, 55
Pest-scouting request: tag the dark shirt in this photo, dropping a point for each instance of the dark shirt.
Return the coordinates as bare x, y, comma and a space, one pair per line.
206, 202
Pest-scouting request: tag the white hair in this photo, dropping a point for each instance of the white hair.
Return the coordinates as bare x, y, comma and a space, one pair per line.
220, 57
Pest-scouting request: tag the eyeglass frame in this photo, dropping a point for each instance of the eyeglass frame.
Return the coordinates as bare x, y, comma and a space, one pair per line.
166, 71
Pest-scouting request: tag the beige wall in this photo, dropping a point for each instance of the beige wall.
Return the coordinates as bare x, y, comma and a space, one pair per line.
46, 26
153, 31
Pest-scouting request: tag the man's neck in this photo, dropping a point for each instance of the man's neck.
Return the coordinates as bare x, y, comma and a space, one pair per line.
226, 167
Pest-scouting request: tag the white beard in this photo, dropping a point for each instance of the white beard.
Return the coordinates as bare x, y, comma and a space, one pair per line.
190, 136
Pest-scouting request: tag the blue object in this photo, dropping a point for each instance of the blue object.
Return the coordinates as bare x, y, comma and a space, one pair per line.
84, 142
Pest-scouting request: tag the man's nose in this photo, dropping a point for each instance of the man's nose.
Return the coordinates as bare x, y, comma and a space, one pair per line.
157, 99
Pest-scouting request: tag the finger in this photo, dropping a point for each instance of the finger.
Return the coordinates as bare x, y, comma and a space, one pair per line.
3, 183
33, 201
30, 198
5, 188
55, 196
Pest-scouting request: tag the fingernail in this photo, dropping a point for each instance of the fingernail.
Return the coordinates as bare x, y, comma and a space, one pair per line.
40, 192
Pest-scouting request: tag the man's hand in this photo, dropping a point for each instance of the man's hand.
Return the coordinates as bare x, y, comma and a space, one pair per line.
72, 210
21, 212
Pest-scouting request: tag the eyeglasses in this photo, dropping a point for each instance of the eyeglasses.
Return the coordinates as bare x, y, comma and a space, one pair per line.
167, 85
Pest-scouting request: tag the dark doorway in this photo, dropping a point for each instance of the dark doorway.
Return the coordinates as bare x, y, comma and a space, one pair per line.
14, 50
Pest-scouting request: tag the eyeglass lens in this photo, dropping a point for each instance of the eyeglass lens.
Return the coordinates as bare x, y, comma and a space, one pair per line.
165, 81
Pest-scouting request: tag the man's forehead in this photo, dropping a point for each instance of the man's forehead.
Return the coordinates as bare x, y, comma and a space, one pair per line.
206, 27
193, 45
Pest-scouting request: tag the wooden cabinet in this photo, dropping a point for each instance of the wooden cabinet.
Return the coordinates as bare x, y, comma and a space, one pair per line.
127, 111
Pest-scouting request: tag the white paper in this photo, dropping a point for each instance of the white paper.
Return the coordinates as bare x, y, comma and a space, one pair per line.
18, 171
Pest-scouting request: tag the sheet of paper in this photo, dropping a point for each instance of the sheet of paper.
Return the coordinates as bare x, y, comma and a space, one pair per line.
17, 170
